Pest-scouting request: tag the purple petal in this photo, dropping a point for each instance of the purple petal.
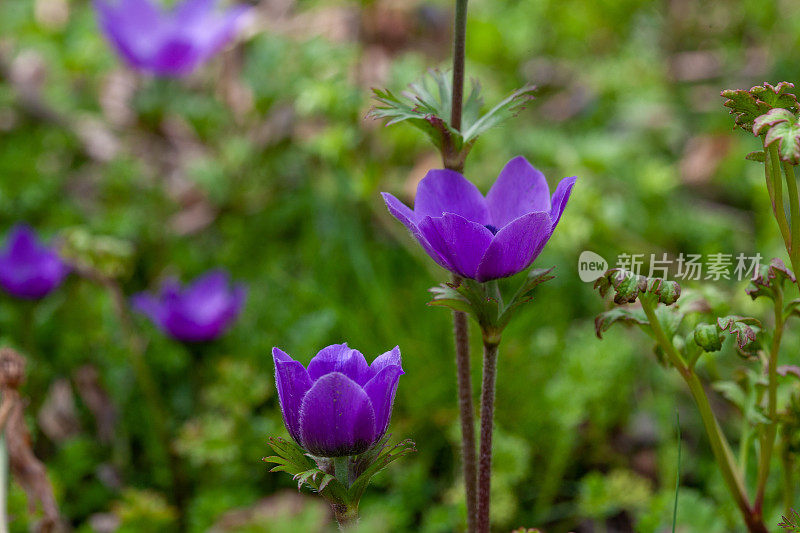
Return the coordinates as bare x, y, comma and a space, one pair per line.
520, 189
390, 358
339, 358
461, 242
22, 243
560, 198
28, 269
292, 382
148, 305
515, 246
336, 417
221, 31
408, 218
445, 191
176, 56
381, 390
189, 11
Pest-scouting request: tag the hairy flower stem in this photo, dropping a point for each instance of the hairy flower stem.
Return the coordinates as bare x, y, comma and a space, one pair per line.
466, 404
459, 53
719, 444
768, 439
346, 515
467, 415
487, 427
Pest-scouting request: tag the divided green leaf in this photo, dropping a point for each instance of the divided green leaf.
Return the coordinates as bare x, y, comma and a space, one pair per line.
629, 286
781, 126
747, 105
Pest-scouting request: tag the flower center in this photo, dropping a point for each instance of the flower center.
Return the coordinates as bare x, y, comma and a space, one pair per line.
491, 228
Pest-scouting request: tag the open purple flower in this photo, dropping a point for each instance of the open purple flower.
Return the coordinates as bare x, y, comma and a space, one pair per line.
28, 269
484, 238
202, 311
166, 43
341, 405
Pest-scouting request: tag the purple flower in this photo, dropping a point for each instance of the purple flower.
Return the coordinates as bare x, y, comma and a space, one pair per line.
28, 269
340, 405
484, 238
201, 311
166, 44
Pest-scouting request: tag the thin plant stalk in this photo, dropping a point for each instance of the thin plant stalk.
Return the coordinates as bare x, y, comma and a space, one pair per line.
768, 440
466, 403
487, 427
467, 416
775, 190
719, 444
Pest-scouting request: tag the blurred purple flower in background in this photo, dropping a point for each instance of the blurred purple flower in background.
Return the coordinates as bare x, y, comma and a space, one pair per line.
341, 405
484, 238
167, 43
29, 269
202, 311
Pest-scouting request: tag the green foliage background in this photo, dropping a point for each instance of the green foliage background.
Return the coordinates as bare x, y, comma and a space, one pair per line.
267, 152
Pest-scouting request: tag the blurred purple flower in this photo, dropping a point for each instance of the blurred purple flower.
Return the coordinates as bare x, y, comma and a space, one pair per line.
166, 43
340, 405
484, 238
201, 311
28, 269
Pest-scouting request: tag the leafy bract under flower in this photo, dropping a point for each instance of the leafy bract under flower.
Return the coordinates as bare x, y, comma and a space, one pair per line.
484, 238
339, 405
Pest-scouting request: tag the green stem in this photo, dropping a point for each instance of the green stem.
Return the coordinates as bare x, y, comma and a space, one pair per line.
341, 469
346, 515
719, 444
487, 427
794, 210
775, 190
768, 442
788, 478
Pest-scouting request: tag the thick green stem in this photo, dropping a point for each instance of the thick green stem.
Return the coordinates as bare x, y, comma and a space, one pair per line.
768, 440
775, 190
341, 469
794, 211
719, 444
487, 428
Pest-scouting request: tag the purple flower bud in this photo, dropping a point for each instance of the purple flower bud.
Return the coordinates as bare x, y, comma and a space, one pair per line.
166, 44
341, 405
484, 238
28, 269
202, 311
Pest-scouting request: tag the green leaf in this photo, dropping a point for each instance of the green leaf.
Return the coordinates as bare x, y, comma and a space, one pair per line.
757, 156
625, 315
427, 106
385, 456
747, 105
743, 331
507, 108
781, 126
524, 294
769, 279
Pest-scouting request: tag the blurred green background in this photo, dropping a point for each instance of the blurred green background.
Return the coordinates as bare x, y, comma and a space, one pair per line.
263, 163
